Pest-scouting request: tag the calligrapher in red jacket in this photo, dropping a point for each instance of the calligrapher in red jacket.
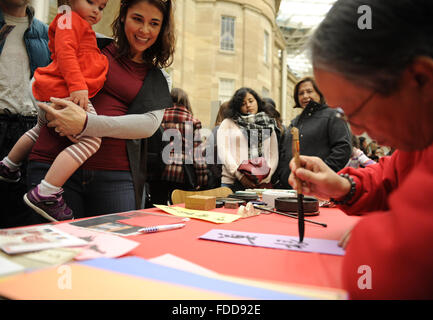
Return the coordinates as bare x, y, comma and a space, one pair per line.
374, 59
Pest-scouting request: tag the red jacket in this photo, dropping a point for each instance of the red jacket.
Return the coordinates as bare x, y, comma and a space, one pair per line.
394, 242
77, 62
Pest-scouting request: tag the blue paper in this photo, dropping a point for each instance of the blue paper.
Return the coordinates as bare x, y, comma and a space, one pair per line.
139, 267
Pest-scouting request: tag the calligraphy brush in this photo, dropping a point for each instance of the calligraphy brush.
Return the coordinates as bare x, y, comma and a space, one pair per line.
295, 152
289, 215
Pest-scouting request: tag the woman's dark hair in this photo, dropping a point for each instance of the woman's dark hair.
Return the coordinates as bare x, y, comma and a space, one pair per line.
355, 142
270, 109
235, 103
221, 113
373, 57
316, 88
160, 54
180, 98
269, 101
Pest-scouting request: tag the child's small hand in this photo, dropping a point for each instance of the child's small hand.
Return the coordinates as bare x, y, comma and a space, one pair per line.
80, 97
73, 139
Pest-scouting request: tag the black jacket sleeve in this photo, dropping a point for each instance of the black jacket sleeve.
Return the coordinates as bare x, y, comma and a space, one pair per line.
340, 144
284, 157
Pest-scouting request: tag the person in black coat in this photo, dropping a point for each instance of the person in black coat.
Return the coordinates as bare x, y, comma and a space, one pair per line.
321, 132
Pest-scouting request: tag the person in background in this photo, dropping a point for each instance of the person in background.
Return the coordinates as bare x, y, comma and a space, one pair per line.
23, 48
186, 151
77, 71
214, 164
271, 109
363, 144
246, 133
390, 151
380, 152
321, 132
130, 108
371, 148
390, 97
358, 158
221, 114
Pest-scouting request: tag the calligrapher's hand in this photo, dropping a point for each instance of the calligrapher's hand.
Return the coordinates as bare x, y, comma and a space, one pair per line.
318, 179
80, 97
247, 183
69, 119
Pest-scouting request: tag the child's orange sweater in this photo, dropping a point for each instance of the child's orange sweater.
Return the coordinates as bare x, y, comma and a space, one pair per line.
77, 62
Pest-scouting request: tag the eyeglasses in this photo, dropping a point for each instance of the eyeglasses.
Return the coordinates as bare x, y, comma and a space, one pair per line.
346, 117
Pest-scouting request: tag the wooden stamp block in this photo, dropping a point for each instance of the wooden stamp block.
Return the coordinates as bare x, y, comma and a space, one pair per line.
200, 202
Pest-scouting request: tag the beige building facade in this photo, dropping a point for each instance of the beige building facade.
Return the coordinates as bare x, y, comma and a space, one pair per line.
222, 45
227, 44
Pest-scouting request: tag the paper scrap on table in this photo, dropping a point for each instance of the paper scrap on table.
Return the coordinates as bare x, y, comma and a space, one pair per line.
212, 216
7, 266
153, 219
99, 244
310, 292
275, 241
172, 261
53, 256
27, 239
90, 283
42, 258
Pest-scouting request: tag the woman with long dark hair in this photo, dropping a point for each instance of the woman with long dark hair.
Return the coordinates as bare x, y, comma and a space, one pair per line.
247, 133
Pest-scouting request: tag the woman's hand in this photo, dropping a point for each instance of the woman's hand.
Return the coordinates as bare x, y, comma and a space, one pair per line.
68, 119
318, 179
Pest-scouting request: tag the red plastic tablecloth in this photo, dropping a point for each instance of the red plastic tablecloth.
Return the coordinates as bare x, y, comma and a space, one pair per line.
255, 262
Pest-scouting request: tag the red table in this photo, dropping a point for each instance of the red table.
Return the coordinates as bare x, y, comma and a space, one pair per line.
255, 262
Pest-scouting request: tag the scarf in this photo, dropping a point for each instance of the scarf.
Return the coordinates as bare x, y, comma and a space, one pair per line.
257, 128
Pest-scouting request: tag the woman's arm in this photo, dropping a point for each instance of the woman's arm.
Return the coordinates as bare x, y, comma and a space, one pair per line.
70, 119
131, 126
339, 144
228, 148
364, 160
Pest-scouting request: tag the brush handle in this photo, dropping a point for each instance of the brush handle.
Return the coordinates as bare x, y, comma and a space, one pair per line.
295, 153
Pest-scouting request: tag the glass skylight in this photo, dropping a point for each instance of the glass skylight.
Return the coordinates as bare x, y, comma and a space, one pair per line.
297, 20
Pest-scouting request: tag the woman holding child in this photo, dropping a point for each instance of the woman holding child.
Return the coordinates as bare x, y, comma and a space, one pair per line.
130, 107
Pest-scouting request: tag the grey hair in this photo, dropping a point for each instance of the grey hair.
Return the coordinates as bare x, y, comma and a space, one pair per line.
373, 58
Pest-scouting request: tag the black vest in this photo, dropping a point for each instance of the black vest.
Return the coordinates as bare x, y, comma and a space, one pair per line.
153, 95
